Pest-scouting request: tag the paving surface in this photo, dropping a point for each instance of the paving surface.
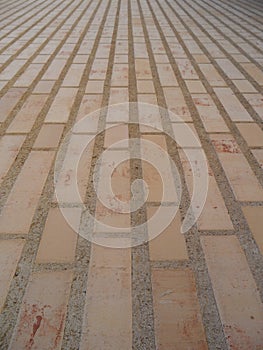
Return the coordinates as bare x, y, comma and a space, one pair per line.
62, 60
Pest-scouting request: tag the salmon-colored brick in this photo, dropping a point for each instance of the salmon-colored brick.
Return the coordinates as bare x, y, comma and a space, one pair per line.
54, 69
10, 252
214, 215
254, 217
107, 321
61, 106
235, 291
9, 148
178, 322
58, 241
8, 102
211, 74
18, 212
49, 136
74, 75
41, 320
242, 180
252, 134
28, 114
29, 75
169, 244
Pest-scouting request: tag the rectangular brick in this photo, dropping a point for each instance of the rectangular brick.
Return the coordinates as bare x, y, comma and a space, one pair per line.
214, 215
256, 101
49, 136
169, 244
61, 106
186, 69
10, 252
107, 321
210, 115
42, 315
232, 105
254, 217
229, 69
166, 75
9, 148
143, 69
176, 104
74, 75
8, 102
26, 117
241, 178
120, 75
29, 75
54, 69
235, 291
252, 134
23, 199
211, 74
99, 69
178, 322
254, 71
56, 231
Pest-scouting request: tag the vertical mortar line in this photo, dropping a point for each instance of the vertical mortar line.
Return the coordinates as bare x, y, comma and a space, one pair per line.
234, 207
79, 286
24, 268
210, 315
142, 303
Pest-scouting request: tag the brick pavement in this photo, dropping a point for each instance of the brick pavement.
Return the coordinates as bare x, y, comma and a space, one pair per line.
62, 60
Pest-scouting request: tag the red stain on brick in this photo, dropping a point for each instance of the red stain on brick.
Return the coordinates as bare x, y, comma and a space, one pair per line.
226, 146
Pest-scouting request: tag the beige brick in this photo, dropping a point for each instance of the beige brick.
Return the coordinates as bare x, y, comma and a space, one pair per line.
229, 69
58, 241
254, 217
211, 74
49, 136
251, 133
23, 199
195, 86
61, 106
8, 102
90, 104
254, 71
214, 215
99, 69
143, 69
74, 75
169, 244
232, 105
120, 75
42, 316
258, 154
241, 178
54, 69
44, 87
166, 75
178, 322
176, 104
210, 115
145, 86
107, 321
9, 148
115, 134
186, 69
94, 87
244, 86
28, 114
256, 101
10, 252
235, 291
29, 75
